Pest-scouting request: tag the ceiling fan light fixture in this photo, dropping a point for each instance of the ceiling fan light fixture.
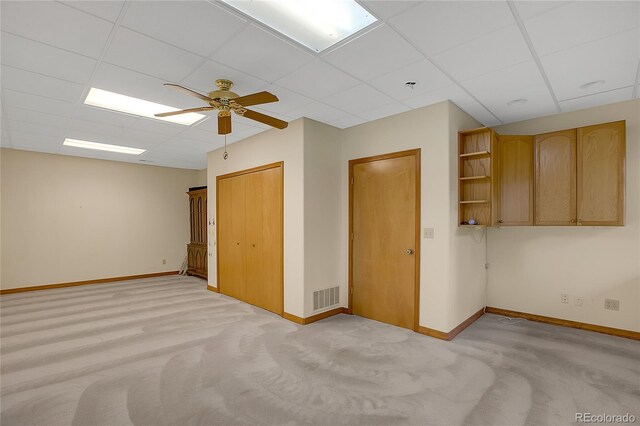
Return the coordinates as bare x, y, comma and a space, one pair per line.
592, 84
130, 105
314, 24
76, 143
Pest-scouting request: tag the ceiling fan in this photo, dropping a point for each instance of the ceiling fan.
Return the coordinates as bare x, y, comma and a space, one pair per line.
225, 101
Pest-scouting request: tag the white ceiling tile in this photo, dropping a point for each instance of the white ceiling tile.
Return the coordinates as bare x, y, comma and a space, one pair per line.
347, 120
36, 128
5, 139
15, 99
35, 142
157, 126
204, 79
29, 116
491, 52
384, 111
388, 9
358, 99
581, 22
374, 53
320, 112
436, 26
480, 113
33, 56
539, 103
97, 128
126, 82
57, 25
452, 93
613, 59
198, 27
204, 136
38, 84
261, 54
101, 115
509, 81
109, 10
603, 98
317, 79
424, 73
147, 55
142, 139
529, 9
289, 102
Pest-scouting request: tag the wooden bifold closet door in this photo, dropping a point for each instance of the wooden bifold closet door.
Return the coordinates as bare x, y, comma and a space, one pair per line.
250, 236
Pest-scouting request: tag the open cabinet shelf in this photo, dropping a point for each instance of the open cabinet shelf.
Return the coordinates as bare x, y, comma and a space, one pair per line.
476, 177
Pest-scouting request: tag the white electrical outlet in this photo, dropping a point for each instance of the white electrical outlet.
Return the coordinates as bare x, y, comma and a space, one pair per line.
164, 261
612, 304
564, 298
579, 301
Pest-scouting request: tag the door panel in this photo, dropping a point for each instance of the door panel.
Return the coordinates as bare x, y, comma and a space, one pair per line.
384, 228
232, 236
264, 239
555, 184
600, 170
515, 180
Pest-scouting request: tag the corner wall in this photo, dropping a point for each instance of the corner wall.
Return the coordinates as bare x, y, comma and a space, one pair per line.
322, 183
264, 148
68, 219
430, 129
531, 266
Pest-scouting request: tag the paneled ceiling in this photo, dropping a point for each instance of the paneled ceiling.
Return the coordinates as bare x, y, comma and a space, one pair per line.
480, 55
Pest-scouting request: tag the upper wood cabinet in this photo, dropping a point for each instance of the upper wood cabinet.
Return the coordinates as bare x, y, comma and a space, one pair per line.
514, 157
555, 178
600, 174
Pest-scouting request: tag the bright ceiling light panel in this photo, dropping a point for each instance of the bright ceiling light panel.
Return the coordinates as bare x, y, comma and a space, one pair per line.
102, 146
122, 103
316, 24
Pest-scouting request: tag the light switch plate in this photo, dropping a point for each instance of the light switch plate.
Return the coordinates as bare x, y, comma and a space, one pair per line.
428, 232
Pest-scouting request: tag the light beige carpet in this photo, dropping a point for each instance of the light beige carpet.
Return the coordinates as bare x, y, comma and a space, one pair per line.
165, 351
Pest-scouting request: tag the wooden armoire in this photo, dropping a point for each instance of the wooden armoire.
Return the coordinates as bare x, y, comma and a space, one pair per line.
197, 248
250, 236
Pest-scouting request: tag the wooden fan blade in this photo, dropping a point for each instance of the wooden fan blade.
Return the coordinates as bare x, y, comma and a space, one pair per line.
224, 124
189, 91
184, 111
256, 98
266, 119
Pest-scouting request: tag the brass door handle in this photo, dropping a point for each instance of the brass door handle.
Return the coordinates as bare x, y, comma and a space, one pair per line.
409, 252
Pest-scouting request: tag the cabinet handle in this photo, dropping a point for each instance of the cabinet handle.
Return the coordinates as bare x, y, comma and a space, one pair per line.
573, 221
501, 221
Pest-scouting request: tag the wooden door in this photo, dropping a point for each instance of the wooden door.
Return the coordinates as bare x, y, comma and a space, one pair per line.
600, 174
264, 239
231, 229
515, 180
385, 252
555, 182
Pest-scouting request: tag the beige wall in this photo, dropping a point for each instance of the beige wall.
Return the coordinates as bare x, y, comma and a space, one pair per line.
468, 278
265, 148
201, 178
429, 129
531, 266
322, 182
71, 219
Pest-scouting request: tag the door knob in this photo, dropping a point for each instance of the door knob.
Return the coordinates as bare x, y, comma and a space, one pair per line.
409, 252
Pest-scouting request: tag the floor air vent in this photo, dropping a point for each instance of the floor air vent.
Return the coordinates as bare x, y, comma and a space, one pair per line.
326, 297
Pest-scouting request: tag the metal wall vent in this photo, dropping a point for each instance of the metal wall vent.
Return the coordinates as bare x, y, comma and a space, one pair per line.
326, 297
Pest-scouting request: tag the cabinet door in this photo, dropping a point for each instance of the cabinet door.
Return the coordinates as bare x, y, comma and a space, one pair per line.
264, 239
555, 183
600, 174
515, 180
231, 236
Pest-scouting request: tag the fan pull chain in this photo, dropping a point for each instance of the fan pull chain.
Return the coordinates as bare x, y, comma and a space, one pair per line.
226, 154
